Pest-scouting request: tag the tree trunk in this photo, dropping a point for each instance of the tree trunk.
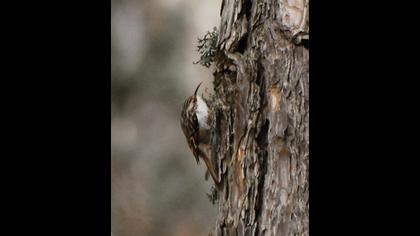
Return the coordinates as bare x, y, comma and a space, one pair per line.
261, 138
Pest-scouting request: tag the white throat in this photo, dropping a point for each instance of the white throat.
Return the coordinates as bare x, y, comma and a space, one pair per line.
202, 113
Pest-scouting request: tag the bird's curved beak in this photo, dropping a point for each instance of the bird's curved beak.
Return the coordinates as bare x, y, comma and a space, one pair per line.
195, 93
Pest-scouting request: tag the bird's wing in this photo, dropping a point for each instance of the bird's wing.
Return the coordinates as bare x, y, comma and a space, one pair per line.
195, 137
194, 148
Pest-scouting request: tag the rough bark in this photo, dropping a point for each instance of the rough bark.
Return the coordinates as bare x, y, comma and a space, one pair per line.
261, 139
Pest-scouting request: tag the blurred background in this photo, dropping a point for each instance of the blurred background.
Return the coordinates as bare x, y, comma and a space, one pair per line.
156, 186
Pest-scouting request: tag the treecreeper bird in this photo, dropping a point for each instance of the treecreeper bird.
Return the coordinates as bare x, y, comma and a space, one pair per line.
196, 123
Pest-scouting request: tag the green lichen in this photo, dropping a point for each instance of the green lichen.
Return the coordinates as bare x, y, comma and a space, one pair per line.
207, 48
212, 196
